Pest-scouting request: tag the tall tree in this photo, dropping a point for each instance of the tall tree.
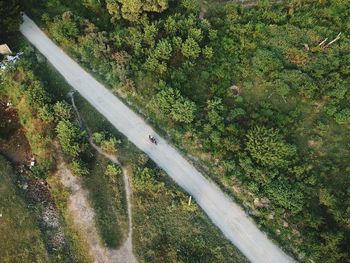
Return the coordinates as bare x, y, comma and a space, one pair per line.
268, 148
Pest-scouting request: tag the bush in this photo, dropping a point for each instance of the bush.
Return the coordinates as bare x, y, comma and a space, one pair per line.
110, 145
112, 172
78, 168
268, 148
70, 138
98, 137
62, 111
41, 170
343, 117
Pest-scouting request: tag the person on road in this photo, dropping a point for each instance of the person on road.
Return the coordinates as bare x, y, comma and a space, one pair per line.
152, 139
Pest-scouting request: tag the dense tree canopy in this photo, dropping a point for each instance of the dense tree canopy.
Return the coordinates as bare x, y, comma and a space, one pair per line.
10, 19
132, 9
268, 148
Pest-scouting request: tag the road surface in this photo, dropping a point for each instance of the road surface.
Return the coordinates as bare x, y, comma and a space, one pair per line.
224, 213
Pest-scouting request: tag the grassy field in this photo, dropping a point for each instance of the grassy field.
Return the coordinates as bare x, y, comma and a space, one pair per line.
108, 199
20, 236
168, 229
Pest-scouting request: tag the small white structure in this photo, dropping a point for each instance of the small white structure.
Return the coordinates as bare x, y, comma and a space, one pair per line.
32, 162
5, 50
13, 59
10, 60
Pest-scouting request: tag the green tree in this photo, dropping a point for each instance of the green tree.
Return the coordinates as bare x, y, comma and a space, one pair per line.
150, 33
110, 145
132, 9
78, 168
170, 25
163, 50
93, 5
94, 46
207, 52
171, 103
62, 111
183, 110
64, 28
215, 109
266, 61
36, 95
286, 195
41, 170
154, 65
113, 8
112, 171
155, 5
190, 48
45, 113
191, 5
343, 117
268, 148
70, 138
98, 137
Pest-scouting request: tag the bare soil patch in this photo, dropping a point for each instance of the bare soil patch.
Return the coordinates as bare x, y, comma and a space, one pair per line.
13, 142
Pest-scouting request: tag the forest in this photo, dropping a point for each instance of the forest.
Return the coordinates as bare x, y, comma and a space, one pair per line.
258, 93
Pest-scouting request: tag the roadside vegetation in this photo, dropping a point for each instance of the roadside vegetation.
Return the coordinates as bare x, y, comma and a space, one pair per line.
168, 228
258, 95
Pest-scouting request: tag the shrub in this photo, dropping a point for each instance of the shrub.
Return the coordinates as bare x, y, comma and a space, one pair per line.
78, 168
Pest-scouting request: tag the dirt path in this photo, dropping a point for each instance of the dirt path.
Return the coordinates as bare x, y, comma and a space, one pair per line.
82, 213
84, 218
124, 254
224, 213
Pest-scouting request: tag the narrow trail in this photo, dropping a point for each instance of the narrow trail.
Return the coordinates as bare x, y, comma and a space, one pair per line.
124, 253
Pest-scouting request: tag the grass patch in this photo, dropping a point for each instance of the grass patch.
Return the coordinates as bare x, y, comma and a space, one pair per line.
108, 199
167, 229
20, 237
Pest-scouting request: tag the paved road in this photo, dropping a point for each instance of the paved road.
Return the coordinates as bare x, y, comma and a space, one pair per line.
224, 213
